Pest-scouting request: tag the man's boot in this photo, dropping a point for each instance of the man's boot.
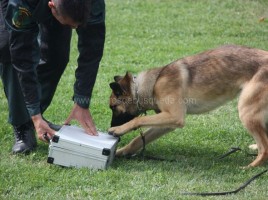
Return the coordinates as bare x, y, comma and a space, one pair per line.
25, 140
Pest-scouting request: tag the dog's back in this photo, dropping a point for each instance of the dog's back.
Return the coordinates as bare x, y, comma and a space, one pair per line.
218, 75
226, 63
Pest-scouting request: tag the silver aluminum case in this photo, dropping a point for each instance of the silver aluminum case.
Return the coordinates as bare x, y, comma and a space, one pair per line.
73, 147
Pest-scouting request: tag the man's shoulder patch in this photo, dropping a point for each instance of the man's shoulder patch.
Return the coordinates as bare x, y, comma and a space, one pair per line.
21, 18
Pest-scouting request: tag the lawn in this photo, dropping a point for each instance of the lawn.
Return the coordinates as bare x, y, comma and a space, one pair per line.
142, 34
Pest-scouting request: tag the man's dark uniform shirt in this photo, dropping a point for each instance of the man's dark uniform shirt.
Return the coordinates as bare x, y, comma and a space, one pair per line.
22, 19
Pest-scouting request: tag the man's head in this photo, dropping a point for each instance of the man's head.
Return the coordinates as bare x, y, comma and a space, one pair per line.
70, 12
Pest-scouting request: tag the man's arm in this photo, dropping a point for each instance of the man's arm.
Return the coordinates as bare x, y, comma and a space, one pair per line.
90, 45
24, 52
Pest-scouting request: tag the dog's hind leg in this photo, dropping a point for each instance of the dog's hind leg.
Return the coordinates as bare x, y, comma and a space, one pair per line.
253, 112
137, 143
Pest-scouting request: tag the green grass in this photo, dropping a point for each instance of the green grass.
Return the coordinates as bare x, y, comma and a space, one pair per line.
142, 34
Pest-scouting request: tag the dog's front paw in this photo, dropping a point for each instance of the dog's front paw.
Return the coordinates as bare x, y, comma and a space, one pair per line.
116, 131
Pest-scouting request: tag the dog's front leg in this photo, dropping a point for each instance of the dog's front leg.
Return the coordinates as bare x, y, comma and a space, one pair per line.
160, 120
121, 130
137, 143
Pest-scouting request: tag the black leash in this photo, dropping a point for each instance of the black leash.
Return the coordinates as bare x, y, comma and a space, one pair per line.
232, 150
142, 155
229, 192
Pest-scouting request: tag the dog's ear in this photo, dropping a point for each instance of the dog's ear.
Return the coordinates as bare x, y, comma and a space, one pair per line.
118, 78
116, 88
128, 76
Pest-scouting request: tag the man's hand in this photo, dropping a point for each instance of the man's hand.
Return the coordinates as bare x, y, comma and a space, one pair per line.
83, 116
42, 128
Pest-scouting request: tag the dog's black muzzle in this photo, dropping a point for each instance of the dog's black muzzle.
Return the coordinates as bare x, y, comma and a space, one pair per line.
120, 119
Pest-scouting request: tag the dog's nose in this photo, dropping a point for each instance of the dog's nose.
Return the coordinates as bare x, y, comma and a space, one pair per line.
113, 107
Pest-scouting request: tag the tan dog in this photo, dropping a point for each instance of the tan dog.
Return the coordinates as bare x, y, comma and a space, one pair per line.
194, 85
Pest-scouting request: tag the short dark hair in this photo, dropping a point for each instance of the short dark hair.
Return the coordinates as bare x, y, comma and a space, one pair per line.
77, 10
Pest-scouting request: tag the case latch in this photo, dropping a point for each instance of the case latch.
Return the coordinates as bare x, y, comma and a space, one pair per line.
106, 152
55, 138
50, 160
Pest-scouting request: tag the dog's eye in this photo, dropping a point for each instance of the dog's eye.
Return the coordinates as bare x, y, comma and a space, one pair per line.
117, 93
